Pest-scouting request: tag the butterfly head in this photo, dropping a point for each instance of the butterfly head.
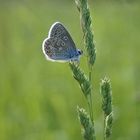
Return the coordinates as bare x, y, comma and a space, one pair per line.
80, 52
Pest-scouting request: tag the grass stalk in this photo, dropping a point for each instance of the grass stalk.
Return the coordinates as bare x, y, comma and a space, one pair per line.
85, 82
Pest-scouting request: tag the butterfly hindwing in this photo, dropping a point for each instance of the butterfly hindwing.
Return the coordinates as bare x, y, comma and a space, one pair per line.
56, 49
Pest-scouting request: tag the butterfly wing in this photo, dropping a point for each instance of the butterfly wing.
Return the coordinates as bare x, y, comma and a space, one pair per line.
59, 45
55, 49
59, 31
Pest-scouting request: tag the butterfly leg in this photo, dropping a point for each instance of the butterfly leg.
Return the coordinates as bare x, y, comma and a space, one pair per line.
75, 61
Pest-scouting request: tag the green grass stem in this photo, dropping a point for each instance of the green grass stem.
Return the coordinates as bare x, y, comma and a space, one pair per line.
84, 81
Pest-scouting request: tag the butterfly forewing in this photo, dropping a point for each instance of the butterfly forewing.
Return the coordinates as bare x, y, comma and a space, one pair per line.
59, 31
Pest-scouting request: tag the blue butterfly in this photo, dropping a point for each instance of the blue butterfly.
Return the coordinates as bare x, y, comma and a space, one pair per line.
59, 45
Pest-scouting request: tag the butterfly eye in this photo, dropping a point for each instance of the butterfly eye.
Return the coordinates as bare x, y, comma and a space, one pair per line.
80, 52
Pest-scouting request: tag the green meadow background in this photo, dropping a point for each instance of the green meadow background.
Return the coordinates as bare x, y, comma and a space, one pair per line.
38, 98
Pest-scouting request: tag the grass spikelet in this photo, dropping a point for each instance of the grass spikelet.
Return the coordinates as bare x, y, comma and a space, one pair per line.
78, 74
88, 126
108, 125
81, 78
106, 93
85, 19
106, 96
85, 82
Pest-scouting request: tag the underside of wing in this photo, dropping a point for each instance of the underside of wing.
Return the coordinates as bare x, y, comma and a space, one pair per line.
59, 31
54, 49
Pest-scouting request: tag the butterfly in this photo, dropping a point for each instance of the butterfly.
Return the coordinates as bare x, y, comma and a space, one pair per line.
59, 46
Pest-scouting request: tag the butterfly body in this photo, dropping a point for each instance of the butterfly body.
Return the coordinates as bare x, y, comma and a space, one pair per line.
59, 45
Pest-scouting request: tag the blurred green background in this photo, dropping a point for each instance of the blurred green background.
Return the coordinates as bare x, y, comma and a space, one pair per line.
38, 98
